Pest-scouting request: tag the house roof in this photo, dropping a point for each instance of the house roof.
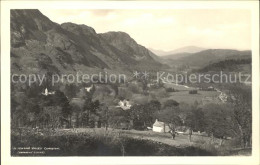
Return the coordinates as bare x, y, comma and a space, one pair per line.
158, 123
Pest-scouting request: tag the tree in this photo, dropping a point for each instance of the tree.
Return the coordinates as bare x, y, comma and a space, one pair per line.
104, 111
71, 90
61, 100
171, 103
171, 117
240, 96
124, 93
134, 88
218, 121
150, 110
77, 109
14, 105
104, 115
115, 88
195, 120
33, 91
145, 113
90, 109
137, 113
117, 116
155, 105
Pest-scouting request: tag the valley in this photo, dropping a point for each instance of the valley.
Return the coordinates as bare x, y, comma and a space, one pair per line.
168, 118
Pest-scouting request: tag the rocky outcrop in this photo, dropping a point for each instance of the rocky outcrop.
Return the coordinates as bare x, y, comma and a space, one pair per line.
40, 45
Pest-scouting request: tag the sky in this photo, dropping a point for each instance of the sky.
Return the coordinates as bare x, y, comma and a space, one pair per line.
167, 29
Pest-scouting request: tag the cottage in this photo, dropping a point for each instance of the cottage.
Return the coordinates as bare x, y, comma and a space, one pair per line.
125, 104
160, 127
46, 92
88, 89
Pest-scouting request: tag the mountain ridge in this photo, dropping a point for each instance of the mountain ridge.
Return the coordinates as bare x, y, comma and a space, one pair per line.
185, 49
39, 45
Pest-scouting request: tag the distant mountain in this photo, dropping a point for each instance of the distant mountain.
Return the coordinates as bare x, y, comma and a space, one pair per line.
39, 45
186, 49
206, 57
159, 52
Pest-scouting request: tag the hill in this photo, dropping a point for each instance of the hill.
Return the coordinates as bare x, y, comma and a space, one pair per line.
39, 45
229, 65
206, 57
186, 49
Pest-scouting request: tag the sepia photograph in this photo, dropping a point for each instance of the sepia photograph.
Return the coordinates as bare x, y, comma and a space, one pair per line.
131, 82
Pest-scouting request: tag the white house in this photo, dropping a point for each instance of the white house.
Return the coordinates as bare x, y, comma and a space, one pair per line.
46, 92
159, 126
89, 88
125, 105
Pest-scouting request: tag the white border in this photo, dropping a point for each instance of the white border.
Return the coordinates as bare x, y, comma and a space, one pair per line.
5, 83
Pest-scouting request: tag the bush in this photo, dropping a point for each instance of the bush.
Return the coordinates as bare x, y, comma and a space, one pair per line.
161, 93
124, 93
169, 90
134, 88
193, 92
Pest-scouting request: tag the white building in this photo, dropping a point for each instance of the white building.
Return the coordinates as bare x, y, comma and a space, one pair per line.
46, 92
125, 105
89, 88
159, 126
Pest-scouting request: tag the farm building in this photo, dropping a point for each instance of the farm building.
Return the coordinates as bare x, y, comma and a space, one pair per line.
46, 92
125, 104
88, 89
160, 127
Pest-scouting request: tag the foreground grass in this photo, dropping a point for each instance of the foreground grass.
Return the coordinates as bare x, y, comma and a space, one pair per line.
96, 144
99, 142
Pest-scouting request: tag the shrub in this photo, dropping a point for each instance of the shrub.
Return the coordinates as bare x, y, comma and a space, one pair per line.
169, 90
161, 93
134, 88
193, 92
124, 93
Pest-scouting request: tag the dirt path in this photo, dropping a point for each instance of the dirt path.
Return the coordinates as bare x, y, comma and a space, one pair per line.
179, 141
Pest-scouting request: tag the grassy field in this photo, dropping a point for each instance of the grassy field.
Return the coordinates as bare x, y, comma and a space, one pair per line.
178, 87
184, 96
180, 96
181, 140
114, 142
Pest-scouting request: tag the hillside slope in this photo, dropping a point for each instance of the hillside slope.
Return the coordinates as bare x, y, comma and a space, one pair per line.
229, 65
39, 45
